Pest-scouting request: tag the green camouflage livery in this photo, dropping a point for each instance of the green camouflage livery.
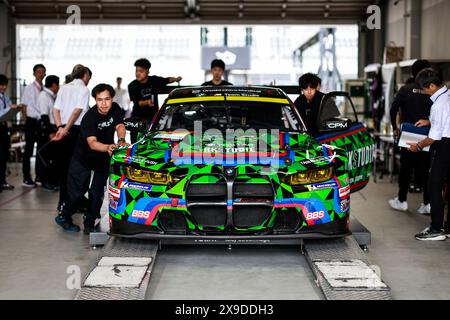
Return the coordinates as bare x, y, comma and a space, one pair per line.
209, 197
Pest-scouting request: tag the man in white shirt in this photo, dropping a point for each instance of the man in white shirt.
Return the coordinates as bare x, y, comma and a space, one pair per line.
45, 103
439, 139
29, 98
121, 98
70, 106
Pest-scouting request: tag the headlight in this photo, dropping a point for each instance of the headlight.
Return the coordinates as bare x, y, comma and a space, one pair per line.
150, 177
311, 176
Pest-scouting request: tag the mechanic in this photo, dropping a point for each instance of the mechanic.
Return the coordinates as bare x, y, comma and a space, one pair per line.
45, 103
217, 71
32, 134
308, 103
141, 91
439, 139
94, 147
5, 106
71, 104
121, 97
413, 105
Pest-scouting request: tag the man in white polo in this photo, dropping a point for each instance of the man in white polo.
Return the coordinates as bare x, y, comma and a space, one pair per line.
70, 106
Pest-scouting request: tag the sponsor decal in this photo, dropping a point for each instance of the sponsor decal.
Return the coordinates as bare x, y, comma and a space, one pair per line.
114, 192
360, 157
113, 204
344, 192
337, 125
317, 215
345, 204
171, 136
324, 186
137, 186
140, 214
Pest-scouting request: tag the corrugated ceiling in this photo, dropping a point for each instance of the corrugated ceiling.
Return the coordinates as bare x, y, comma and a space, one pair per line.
197, 11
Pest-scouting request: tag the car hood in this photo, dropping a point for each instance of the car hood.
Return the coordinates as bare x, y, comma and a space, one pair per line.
288, 152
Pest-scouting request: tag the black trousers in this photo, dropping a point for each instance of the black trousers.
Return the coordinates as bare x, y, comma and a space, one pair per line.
78, 183
4, 150
408, 162
32, 136
65, 152
439, 172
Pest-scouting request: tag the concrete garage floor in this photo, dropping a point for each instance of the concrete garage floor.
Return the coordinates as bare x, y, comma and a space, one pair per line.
35, 255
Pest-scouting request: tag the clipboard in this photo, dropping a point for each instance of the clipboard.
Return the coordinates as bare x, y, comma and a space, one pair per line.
410, 133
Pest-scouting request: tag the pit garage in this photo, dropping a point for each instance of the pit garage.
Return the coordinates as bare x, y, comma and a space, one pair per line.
217, 222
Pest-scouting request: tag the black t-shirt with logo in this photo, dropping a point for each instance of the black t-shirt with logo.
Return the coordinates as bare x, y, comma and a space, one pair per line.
309, 111
144, 91
223, 83
103, 128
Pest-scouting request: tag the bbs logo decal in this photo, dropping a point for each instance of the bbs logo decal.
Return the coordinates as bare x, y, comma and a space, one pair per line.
360, 157
315, 215
140, 214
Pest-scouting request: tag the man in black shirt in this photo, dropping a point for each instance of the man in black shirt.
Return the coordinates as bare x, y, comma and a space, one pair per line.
217, 71
308, 103
141, 91
412, 105
92, 152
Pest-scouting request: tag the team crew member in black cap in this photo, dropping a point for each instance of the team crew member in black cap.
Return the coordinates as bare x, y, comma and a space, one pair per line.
413, 105
92, 153
141, 91
217, 71
308, 103
439, 138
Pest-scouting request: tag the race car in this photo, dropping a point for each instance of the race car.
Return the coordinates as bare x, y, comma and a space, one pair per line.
236, 164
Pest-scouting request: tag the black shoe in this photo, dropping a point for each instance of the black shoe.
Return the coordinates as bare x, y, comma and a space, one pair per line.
429, 234
38, 182
48, 187
67, 225
6, 186
28, 183
447, 232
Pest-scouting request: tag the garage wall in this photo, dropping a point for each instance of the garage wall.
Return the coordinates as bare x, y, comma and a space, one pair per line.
416, 24
435, 27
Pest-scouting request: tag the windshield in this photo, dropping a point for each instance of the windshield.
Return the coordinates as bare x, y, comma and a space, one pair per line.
224, 115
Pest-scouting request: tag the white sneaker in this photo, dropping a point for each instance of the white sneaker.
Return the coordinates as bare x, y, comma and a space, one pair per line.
424, 209
398, 205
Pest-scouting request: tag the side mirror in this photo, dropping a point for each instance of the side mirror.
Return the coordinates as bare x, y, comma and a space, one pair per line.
335, 124
135, 124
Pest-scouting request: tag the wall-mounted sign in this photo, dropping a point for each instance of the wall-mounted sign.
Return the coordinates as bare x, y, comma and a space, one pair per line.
234, 57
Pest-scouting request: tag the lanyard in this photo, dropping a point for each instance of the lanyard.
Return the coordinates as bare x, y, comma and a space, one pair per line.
3, 100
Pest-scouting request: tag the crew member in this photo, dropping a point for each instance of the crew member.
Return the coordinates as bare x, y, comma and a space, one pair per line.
142, 92
439, 139
94, 147
45, 103
5, 106
308, 103
413, 105
217, 71
32, 134
71, 104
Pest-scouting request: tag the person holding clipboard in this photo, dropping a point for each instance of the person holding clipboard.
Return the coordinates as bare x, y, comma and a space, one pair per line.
439, 139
